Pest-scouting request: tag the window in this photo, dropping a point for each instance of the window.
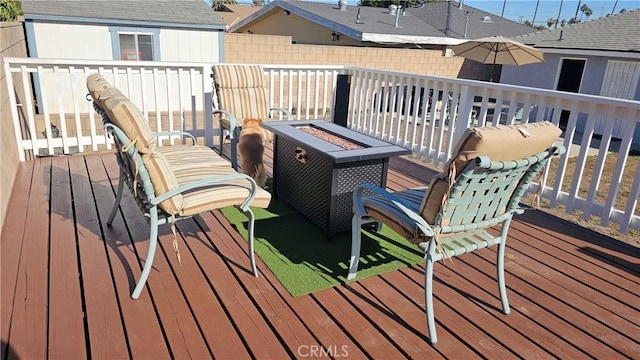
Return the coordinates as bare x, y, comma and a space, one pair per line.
135, 44
570, 76
136, 47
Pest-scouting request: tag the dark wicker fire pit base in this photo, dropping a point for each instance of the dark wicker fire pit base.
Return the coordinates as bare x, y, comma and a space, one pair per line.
317, 177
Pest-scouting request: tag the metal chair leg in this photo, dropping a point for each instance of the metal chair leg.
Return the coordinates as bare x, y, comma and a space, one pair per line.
500, 268
148, 263
428, 299
250, 236
356, 239
116, 204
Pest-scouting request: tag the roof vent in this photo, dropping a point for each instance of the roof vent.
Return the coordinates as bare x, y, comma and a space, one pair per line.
342, 5
393, 9
487, 19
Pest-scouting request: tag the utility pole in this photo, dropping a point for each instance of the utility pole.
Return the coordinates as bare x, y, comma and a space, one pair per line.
533, 22
614, 7
559, 11
577, 9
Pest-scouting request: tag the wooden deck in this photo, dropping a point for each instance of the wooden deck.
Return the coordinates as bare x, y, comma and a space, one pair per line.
66, 279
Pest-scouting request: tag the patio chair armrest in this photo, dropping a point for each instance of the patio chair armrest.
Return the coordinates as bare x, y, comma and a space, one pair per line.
233, 122
182, 135
208, 182
283, 110
396, 201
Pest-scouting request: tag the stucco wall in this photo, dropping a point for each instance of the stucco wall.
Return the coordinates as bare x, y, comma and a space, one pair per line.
12, 44
305, 31
269, 49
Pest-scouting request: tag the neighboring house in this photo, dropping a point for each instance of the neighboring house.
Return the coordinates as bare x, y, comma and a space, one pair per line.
598, 57
156, 30
231, 14
433, 25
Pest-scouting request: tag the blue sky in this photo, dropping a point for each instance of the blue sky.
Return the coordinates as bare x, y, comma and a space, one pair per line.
521, 10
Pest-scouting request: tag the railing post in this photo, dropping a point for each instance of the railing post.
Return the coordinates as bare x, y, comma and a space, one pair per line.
465, 106
14, 110
341, 107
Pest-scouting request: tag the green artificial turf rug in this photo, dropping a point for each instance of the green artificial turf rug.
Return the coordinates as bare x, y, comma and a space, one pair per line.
304, 260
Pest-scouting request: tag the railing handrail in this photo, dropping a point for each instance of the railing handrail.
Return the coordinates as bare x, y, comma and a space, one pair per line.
508, 87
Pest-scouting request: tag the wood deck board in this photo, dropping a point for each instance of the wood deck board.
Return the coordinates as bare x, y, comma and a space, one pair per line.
556, 312
101, 303
139, 319
573, 292
66, 315
283, 320
10, 251
28, 331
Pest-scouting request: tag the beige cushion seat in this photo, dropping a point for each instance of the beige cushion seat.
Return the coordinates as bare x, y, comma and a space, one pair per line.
191, 155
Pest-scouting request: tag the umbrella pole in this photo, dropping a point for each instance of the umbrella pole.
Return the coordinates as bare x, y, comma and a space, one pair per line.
495, 55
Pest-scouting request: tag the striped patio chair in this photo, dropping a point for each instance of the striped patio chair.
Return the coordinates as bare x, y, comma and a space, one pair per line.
480, 188
173, 182
241, 92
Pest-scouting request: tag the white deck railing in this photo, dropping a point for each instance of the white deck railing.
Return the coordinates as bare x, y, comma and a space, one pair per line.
401, 108
56, 117
398, 107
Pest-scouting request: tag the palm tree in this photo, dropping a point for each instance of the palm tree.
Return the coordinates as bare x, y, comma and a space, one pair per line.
586, 10
218, 4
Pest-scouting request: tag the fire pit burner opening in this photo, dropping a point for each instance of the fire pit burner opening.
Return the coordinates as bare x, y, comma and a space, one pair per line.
330, 137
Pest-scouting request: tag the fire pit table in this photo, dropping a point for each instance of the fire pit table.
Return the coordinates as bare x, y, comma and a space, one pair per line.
318, 164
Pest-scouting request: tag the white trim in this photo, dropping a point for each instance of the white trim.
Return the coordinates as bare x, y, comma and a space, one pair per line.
411, 39
602, 53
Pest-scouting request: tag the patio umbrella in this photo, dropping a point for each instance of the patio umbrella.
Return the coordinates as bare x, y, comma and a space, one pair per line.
498, 50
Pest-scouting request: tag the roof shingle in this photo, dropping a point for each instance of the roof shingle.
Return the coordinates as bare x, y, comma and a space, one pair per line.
619, 32
184, 12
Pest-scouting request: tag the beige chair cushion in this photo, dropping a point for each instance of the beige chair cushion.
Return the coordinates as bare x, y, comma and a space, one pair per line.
499, 143
127, 116
163, 179
183, 156
122, 112
168, 170
228, 193
96, 84
242, 91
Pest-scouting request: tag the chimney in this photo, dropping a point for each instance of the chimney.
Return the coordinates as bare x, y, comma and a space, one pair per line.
561, 30
342, 5
392, 9
460, 4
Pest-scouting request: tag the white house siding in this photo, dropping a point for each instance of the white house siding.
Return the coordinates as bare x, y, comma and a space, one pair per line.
189, 45
67, 41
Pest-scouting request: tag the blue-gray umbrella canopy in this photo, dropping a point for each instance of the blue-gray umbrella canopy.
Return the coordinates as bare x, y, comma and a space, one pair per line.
498, 50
